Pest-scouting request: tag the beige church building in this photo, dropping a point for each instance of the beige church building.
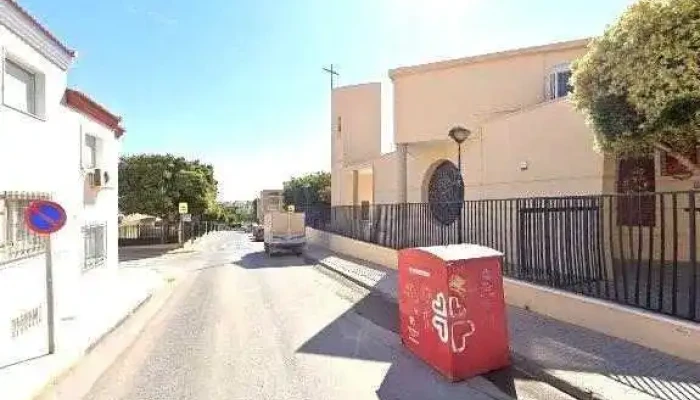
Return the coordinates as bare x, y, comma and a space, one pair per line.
526, 138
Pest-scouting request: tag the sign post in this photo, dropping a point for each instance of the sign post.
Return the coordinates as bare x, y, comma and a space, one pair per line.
182, 209
44, 218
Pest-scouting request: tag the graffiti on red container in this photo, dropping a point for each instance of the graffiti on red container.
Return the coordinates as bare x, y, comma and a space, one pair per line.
459, 330
458, 284
487, 286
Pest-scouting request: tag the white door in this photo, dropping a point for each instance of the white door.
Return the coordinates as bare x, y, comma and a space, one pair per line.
24, 330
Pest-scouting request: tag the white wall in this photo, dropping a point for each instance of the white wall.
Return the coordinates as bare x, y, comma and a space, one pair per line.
36, 157
44, 155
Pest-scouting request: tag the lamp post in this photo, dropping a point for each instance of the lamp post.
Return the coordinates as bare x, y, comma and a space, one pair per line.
459, 134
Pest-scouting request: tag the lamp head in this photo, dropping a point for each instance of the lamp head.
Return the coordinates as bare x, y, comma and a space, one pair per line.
459, 134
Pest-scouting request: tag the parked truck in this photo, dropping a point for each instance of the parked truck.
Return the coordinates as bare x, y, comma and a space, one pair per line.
284, 230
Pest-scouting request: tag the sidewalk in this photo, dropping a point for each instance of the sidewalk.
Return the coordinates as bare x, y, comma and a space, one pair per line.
571, 357
105, 299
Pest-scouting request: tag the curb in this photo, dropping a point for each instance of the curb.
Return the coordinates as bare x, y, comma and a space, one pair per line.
65, 371
119, 323
62, 372
520, 362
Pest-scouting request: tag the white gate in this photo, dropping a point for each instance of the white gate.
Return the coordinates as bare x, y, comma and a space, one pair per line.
24, 305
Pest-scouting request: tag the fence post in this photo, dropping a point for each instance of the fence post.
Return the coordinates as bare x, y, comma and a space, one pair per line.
693, 257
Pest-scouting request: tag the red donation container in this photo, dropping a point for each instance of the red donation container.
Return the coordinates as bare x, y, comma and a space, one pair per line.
452, 309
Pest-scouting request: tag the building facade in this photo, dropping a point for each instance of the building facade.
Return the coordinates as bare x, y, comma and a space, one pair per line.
57, 144
270, 200
530, 182
526, 137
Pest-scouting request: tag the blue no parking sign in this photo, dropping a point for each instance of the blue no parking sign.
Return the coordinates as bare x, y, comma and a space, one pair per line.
44, 217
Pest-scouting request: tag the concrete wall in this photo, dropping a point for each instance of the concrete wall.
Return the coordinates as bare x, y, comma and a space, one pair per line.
655, 331
366, 251
431, 99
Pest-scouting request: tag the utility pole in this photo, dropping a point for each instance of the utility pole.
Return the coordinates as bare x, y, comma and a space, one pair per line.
333, 73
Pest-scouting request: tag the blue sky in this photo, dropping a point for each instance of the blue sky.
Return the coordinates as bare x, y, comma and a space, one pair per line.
239, 83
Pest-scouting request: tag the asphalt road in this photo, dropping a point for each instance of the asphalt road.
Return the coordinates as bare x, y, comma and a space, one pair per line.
242, 325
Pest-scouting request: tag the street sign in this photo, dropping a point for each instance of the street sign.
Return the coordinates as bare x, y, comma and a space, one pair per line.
290, 208
44, 217
186, 217
182, 208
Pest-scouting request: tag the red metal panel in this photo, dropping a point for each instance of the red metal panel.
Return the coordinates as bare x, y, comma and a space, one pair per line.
453, 313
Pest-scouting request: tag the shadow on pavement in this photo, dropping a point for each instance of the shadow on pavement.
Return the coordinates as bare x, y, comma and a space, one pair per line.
408, 378
260, 260
131, 253
657, 374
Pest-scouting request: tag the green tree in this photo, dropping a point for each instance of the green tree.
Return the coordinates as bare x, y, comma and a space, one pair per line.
154, 184
639, 83
254, 217
311, 189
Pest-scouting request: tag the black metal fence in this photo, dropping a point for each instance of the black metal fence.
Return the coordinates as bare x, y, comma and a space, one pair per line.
148, 234
637, 249
165, 233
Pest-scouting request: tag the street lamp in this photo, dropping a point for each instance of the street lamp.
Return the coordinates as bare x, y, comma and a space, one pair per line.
459, 134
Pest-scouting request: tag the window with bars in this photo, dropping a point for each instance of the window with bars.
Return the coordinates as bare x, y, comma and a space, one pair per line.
95, 246
16, 240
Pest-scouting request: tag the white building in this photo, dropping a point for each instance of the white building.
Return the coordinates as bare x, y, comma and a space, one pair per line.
55, 143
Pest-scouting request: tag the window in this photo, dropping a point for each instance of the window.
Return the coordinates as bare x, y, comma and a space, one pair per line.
90, 152
95, 246
16, 241
672, 167
560, 81
19, 88
635, 176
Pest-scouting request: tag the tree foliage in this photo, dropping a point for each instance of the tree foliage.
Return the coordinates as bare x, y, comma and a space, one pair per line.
309, 189
154, 184
236, 212
639, 83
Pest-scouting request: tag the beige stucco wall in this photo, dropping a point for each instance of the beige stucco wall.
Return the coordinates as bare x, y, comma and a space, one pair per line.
355, 139
552, 138
386, 179
359, 127
365, 187
428, 103
555, 143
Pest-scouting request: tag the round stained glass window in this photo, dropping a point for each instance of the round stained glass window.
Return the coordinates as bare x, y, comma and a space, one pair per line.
446, 193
